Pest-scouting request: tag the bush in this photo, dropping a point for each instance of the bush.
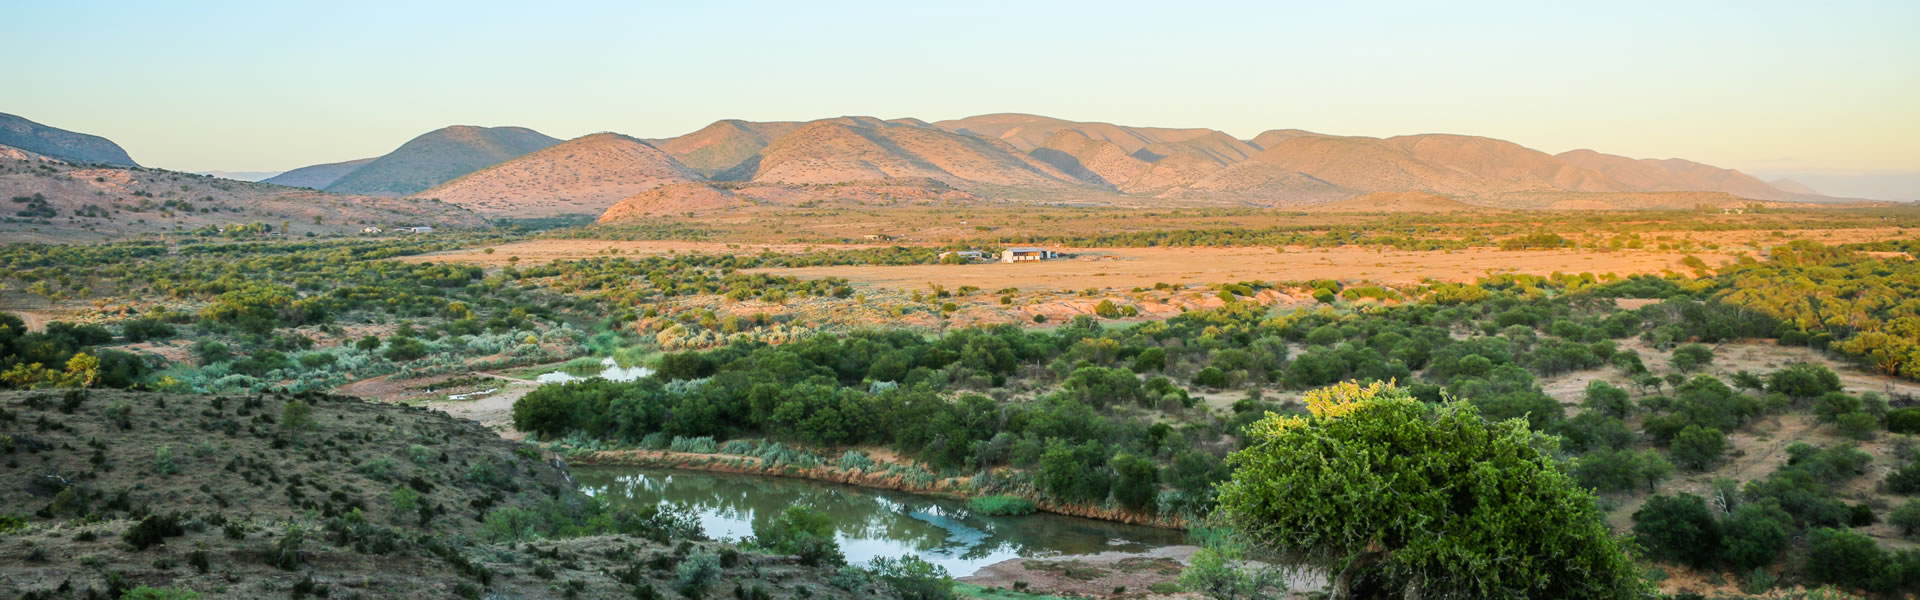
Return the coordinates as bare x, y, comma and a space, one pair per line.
1904, 480
1691, 356
12, 523
1802, 381
910, 578
696, 574
163, 461
296, 416
1844, 557
153, 593
1136, 482
1905, 420
1857, 425
802, 532
1678, 528
1831, 405
1604, 398
1000, 506
1906, 517
1697, 447
405, 349
1754, 534
154, 530
1210, 377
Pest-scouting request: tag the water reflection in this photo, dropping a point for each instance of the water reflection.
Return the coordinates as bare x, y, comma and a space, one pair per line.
872, 523
610, 370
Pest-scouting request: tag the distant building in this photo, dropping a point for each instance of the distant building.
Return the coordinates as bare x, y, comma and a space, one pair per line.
1013, 255
878, 237
414, 229
371, 230
966, 254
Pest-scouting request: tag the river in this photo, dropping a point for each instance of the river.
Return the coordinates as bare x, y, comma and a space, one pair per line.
872, 523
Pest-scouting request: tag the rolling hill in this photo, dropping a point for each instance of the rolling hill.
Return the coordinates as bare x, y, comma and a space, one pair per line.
58, 201
437, 157
1027, 132
851, 149
583, 176
1676, 175
724, 144
59, 143
317, 177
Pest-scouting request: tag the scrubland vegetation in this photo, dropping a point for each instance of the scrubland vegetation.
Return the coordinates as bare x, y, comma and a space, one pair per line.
1197, 420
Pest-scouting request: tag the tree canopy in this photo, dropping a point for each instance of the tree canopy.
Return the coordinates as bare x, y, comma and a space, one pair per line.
1430, 498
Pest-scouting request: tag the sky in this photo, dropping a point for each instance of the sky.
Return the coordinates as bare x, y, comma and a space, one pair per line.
1829, 88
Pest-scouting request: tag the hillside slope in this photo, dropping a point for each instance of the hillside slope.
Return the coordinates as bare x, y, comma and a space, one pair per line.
59, 143
317, 177
56, 201
1674, 175
439, 156
864, 149
585, 175
724, 144
1026, 132
238, 497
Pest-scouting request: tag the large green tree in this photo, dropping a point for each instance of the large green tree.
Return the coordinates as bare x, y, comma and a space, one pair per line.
1433, 500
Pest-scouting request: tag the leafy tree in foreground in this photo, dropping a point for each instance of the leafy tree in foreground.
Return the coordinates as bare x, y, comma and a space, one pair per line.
1375, 482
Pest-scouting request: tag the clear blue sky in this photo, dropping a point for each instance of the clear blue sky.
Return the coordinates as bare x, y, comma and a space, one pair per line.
1768, 86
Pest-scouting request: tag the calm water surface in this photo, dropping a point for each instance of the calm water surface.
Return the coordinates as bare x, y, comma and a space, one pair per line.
610, 370
872, 523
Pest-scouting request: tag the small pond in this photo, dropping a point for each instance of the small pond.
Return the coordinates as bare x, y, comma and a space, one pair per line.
872, 523
610, 370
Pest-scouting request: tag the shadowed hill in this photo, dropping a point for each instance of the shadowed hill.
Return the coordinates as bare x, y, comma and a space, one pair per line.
57, 201
440, 156
59, 143
317, 177
863, 148
585, 175
1675, 175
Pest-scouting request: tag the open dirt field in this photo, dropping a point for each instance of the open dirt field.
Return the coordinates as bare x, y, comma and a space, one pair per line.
545, 251
1126, 268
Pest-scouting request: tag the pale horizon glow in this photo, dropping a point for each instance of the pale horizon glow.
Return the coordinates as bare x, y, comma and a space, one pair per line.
1766, 87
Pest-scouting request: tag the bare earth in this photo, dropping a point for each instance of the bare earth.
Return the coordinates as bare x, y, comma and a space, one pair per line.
544, 251
1144, 267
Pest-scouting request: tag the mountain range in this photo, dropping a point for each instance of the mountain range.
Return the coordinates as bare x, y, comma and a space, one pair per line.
510, 172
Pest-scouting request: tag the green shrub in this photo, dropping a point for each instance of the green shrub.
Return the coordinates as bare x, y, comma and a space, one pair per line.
153, 593
1905, 480
698, 445
801, 532
12, 523
1906, 517
909, 578
1905, 420
1210, 377
1843, 557
296, 416
1698, 447
163, 461
696, 574
1000, 505
1857, 425
1678, 528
